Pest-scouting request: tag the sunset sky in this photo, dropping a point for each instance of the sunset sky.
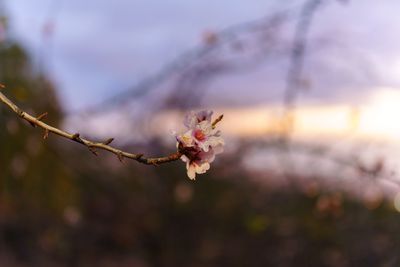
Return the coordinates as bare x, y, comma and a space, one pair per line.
99, 48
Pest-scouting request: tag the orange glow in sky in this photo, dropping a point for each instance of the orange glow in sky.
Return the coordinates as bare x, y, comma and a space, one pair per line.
375, 119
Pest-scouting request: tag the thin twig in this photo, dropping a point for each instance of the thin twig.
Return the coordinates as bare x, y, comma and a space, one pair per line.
92, 146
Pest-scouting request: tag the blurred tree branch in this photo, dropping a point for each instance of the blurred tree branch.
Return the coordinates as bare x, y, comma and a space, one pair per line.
297, 57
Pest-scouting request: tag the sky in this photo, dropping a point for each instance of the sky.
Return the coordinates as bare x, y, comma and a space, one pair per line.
100, 47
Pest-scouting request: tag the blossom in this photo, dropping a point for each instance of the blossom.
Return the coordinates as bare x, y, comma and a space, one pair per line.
199, 143
194, 118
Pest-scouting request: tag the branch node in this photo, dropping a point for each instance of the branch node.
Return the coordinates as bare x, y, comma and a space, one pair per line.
76, 137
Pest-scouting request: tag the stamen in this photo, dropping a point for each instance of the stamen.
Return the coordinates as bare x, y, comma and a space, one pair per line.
199, 135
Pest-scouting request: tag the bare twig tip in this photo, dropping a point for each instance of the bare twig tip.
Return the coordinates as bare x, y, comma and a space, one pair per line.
94, 152
120, 157
217, 120
108, 141
46, 134
42, 116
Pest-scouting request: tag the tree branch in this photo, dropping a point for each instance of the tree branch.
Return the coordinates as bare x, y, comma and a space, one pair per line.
91, 145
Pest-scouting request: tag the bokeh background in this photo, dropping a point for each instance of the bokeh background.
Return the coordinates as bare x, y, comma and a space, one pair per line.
309, 90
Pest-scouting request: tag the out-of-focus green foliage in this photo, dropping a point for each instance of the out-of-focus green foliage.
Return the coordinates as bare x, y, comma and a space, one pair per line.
34, 184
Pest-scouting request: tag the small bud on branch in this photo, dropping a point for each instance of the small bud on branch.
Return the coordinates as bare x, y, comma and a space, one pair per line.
42, 116
108, 141
214, 124
46, 134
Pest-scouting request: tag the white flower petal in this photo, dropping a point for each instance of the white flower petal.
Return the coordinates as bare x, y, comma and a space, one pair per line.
191, 172
218, 149
205, 126
204, 115
200, 169
184, 158
190, 120
204, 146
186, 139
211, 156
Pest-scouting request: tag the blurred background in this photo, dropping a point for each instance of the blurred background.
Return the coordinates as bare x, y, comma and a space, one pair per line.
309, 89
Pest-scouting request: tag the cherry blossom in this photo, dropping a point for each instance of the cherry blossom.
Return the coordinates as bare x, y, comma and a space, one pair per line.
194, 118
199, 143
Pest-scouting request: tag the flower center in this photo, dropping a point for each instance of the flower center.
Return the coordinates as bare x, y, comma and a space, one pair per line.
199, 135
